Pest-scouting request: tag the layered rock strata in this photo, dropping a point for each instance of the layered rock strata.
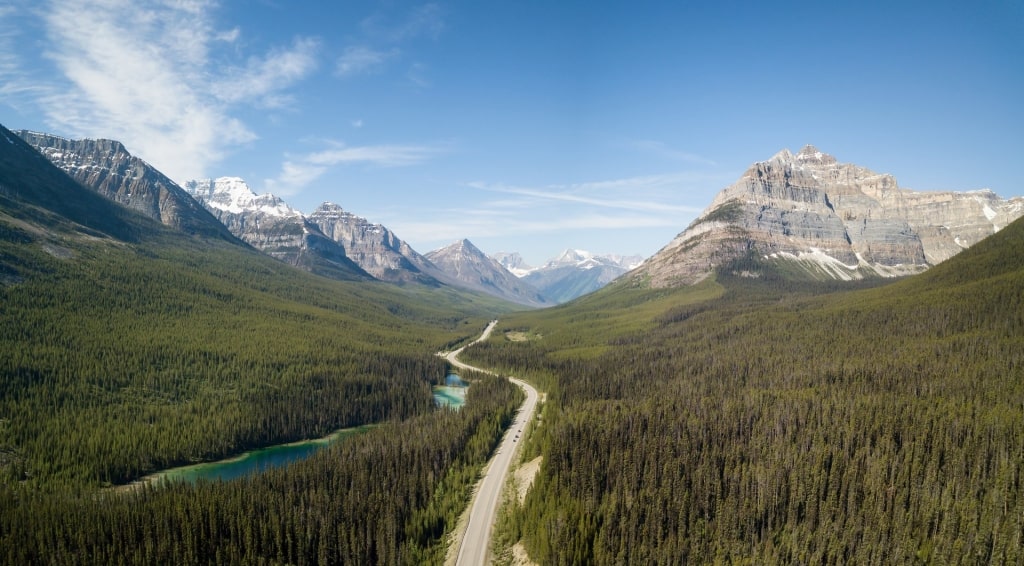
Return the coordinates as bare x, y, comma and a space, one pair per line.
836, 220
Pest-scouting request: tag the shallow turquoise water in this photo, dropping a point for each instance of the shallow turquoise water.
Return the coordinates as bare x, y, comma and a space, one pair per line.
452, 394
255, 461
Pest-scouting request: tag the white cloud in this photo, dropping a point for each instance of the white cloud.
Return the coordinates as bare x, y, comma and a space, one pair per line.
359, 59
424, 21
632, 194
142, 72
627, 205
261, 79
383, 155
297, 173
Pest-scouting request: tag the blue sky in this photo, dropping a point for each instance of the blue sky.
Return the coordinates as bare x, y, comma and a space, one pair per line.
528, 126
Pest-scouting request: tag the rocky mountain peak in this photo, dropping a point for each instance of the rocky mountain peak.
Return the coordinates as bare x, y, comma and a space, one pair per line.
513, 262
835, 220
233, 195
811, 154
465, 262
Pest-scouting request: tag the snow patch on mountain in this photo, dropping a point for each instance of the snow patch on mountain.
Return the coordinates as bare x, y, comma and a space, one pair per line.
232, 194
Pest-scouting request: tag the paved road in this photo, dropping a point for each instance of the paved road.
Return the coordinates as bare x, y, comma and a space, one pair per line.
474, 547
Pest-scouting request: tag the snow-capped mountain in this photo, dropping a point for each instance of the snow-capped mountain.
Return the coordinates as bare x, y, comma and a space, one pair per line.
232, 195
467, 264
577, 272
829, 220
106, 167
272, 226
513, 262
325, 240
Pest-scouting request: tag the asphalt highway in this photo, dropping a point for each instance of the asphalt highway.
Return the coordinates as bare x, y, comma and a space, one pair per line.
474, 546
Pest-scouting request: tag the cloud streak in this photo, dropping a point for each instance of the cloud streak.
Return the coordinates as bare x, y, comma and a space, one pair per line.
627, 205
144, 72
359, 59
298, 172
630, 194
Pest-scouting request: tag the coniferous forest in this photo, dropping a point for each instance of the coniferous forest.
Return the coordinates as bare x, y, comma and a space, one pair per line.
742, 420
127, 348
781, 424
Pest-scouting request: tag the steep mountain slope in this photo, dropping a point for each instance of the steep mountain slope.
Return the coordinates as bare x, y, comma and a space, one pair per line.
268, 224
109, 169
127, 346
145, 347
825, 219
576, 272
473, 269
40, 203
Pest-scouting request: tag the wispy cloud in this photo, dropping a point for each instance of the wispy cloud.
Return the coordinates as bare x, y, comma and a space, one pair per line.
476, 223
625, 194
384, 41
424, 21
298, 172
261, 79
144, 72
358, 59
626, 204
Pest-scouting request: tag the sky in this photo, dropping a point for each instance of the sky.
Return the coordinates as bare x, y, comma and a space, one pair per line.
529, 126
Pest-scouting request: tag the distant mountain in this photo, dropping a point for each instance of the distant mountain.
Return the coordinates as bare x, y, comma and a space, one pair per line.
106, 167
270, 225
812, 216
466, 263
575, 273
513, 262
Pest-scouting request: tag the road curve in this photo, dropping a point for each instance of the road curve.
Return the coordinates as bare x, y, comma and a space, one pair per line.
474, 545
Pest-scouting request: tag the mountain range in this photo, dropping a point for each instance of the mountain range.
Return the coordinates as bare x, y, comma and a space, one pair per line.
806, 214
271, 225
474, 269
572, 274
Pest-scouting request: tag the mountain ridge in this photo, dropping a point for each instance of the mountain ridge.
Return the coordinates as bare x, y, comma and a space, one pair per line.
109, 169
573, 273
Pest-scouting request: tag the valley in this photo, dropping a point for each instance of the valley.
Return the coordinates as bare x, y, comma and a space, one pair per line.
814, 371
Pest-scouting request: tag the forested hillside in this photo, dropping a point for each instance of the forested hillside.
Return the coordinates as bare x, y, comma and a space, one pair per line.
384, 497
779, 425
127, 347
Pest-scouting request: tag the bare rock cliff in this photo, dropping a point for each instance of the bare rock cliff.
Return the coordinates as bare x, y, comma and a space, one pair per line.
835, 220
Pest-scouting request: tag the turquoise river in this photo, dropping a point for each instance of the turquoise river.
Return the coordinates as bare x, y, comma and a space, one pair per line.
451, 394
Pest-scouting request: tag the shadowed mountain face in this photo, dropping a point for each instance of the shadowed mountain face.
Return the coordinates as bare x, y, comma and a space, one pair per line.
41, 202
830, 220
106, 167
